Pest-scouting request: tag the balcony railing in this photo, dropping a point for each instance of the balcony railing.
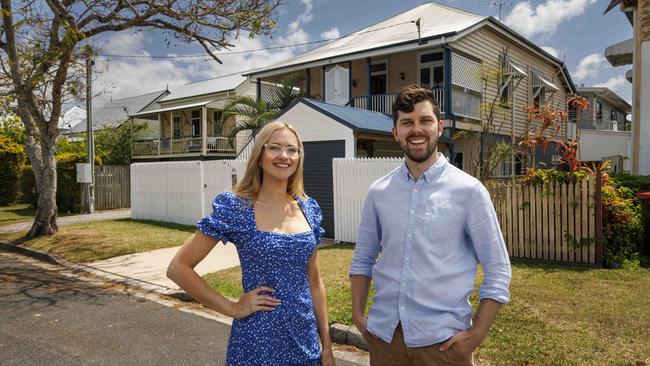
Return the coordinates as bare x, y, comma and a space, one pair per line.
185, 145
598, 125
384, 102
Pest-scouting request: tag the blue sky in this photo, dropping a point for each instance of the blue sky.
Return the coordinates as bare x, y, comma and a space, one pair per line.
573, 30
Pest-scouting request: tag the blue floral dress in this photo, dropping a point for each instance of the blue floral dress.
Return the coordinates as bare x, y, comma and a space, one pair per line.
286, 335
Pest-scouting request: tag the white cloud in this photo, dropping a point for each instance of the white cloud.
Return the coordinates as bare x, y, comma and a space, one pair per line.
544, 18
125, 77
553, 51
330, 33
589, 66
614, 83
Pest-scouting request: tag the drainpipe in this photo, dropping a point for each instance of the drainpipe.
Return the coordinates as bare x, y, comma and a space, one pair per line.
368, 99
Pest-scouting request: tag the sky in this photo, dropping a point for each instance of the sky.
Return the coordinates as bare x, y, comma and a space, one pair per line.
575, 31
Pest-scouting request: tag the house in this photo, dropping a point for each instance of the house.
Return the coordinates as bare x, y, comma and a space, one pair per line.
636, 52
114, 112
190, 120
451, 51
71, 118
602, 129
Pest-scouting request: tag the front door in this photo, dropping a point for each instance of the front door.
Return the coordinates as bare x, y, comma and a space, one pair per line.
337, 85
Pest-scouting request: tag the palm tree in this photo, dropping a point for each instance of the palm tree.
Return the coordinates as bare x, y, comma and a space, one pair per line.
254, 113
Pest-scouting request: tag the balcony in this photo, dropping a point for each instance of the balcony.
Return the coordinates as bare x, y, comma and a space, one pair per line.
383, 103
186, 146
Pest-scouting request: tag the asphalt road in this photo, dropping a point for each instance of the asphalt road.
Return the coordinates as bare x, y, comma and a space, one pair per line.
48, 317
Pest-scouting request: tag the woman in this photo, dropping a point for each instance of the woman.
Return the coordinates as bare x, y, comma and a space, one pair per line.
275, 228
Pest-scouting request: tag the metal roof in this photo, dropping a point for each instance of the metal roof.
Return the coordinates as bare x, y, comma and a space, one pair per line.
112, 113
357, 119
174, 108
435, 20
210, 86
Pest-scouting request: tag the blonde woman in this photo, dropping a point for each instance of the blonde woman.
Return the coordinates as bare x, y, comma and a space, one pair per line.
275, 227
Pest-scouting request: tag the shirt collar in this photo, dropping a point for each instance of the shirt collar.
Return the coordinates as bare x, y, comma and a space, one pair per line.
430, 174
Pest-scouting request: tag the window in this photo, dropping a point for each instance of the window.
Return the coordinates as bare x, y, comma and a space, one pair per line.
599, 111
539, 96
506, 95
432, 71
177, 126
196, 123
613, 116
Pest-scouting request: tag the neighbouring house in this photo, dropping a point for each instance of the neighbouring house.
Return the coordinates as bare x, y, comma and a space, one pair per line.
603, 129
450, 51
114, 113
191, 123
71, 118
636, 52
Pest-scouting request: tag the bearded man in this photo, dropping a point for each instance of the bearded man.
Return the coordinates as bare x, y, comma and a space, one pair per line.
432, 224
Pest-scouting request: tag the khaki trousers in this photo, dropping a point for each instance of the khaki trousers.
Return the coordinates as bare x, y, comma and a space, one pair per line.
397, 353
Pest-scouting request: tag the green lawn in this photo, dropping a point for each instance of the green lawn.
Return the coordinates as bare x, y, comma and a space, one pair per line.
16, 213
558, 315
106, 239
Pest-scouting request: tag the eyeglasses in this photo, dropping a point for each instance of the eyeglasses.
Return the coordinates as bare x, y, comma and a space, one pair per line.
274, 150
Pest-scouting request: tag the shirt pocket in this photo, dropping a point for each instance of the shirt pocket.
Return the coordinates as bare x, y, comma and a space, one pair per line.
440, 224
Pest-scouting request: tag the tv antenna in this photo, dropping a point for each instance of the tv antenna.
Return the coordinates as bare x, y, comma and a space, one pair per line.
499, 4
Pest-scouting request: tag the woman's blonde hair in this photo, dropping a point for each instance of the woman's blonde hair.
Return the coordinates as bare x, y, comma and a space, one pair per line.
249, 186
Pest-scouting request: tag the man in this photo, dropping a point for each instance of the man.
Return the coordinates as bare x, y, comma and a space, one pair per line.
433, 224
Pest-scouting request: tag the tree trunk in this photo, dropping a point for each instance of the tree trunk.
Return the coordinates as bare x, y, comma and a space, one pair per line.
46, 211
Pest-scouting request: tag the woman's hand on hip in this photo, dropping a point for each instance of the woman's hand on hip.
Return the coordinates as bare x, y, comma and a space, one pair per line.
252, 302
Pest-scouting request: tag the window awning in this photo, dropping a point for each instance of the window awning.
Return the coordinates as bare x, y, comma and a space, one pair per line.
540, 80
171, 109
513, 68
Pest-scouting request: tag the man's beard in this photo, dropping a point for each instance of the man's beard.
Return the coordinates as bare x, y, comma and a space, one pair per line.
430, 150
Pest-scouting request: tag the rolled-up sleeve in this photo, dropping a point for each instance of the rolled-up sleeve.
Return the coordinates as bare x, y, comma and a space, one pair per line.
368, 240
487, 239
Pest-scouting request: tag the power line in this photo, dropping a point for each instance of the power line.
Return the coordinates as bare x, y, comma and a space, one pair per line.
250, 51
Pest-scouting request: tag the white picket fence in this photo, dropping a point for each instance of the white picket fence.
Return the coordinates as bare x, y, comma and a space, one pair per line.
180, 192
352, 178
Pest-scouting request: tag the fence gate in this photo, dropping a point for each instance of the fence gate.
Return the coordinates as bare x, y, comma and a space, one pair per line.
112, 188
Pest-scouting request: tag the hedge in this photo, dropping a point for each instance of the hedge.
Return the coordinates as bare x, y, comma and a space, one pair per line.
12, 159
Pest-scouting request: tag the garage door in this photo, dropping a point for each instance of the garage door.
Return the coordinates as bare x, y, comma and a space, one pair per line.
318, 177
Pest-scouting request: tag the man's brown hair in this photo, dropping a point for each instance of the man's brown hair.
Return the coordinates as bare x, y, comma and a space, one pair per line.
411, 95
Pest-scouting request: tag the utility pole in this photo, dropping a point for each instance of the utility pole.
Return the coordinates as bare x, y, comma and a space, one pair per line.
89, 124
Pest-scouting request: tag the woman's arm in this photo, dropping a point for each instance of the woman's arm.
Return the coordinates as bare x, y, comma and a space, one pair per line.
181, 271
319, 299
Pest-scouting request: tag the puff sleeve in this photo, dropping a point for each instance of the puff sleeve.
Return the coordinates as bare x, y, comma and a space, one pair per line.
222, 222
316, 219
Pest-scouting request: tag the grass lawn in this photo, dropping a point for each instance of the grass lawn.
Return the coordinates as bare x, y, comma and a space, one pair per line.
16, 213
106, 239
558, 315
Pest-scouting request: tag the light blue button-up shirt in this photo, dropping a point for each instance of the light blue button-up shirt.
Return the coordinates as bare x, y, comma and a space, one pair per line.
431, 233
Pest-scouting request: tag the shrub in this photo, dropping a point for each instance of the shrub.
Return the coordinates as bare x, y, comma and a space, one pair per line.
12, 159
637, 183
28, 186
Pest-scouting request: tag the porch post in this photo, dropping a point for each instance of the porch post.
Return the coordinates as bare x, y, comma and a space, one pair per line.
204, 130
308, 72
259, 89
162, 135
350, 83
446, 100
171, 133
323, 79
368, 99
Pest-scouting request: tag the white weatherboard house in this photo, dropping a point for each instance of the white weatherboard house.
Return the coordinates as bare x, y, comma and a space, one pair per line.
190, 122
449, 51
